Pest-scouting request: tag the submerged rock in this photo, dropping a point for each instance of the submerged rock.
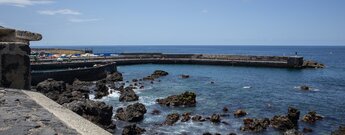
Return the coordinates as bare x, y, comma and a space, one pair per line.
132, 130
114, 77
215, 118
225, 109
172, 118
155, 112
240, 113
96, 112
102, 89
128, 95
312, 117
339, 131
305, 87
307, 130
184, 76
184, 99
255, 125
292, 132
132, 113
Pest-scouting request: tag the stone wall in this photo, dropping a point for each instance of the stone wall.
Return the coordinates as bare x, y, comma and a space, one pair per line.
14, 58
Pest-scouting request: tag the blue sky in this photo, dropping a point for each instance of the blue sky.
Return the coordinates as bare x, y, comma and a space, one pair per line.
179, 22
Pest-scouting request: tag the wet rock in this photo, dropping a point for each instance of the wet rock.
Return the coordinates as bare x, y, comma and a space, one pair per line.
292, 132
293, 115
81, 86
172, 118
159, 73
312, 64
134, 80
307, 130
339, 131
305, 87
255, 125
132, 113
198, 118
282, 123
102, 89
132, 130
232, 134
184, 99
240, 113
185, 117
215, 118
312, 117
114, 77
51, 88
96, 112
207, 133
225, 109
155, 112
148, 78
128, 95
184, 76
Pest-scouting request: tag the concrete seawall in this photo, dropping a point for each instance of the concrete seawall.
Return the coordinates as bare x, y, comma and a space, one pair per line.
204, 59
68, 75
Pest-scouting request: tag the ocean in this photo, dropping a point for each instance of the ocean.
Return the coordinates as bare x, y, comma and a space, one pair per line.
262, 92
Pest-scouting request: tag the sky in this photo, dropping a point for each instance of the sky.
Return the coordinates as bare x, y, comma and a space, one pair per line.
178, 22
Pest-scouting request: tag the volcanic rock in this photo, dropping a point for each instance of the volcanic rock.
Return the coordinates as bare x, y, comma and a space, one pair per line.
132, 130
312, 117
97, 112
215, 118
172, 118
132, 113
128, 95
292, 132
293, 115
282, 123
184, 76
198, 118
185, 117
114, 77
184, 99
240, 113
155, 112
255, 125
102, 89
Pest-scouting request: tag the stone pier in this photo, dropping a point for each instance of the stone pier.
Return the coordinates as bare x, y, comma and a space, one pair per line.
14, 57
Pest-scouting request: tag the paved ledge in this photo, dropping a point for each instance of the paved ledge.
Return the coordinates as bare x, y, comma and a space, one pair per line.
20, 115
70, 118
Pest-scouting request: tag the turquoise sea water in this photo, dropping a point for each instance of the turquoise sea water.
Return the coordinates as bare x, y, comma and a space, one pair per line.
271, 92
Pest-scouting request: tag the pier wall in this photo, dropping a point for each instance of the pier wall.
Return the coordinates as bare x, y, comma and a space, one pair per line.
69, 75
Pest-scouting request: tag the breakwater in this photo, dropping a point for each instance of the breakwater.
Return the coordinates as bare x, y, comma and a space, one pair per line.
203, 59
70, 71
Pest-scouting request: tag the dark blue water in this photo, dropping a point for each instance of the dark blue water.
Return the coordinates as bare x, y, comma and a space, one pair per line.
272, 90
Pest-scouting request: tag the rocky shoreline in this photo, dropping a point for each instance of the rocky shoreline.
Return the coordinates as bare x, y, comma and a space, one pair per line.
75, 97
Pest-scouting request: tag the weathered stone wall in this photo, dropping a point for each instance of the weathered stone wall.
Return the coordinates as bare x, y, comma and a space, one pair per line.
14, 58
15, 65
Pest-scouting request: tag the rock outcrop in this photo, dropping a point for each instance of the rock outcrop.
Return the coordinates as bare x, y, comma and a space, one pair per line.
184, 99
128, 95
312, 64
51, 88
240, 113
114, 77
282, 123
215, 118
185, 117
156, 74
312, 117
132, 113
255, 125
172, 118
96, 112
102, 89
132, 130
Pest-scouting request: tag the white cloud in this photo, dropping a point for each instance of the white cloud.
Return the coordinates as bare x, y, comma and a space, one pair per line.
75, 20
24, 3
204, 11
61, 11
